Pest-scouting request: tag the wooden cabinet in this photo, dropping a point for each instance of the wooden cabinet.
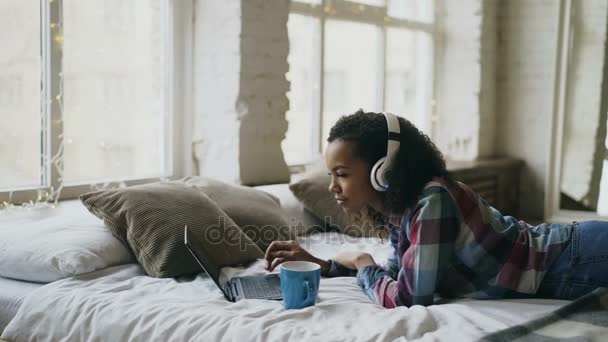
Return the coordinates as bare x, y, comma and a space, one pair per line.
496, 180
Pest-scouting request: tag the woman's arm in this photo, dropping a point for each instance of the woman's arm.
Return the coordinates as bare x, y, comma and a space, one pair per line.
433, 228
279, 252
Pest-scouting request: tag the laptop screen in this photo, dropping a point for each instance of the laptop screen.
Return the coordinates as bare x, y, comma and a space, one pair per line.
202, 258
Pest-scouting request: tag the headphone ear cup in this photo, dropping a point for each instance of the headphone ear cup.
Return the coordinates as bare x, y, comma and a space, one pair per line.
376, 178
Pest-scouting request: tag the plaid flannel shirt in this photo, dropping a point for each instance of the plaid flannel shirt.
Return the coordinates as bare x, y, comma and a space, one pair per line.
454, 244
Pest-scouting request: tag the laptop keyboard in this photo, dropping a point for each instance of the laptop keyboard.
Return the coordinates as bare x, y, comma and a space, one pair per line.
261, 287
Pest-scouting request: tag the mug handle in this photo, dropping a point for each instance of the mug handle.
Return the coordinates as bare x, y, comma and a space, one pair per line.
306, 290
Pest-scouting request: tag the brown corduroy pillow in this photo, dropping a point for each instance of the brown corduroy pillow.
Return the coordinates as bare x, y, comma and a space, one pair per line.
257, 213
150, 219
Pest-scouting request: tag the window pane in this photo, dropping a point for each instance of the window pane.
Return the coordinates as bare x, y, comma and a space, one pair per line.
20, 94
369, 2
113, 89
419, 10
352, 71
400, 73
302, 74
314, 2
409, 75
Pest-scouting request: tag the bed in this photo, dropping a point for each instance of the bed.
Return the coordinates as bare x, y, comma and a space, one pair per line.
12, 293
121, 303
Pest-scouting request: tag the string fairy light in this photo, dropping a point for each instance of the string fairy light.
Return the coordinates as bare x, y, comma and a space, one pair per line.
49, 195
56, 160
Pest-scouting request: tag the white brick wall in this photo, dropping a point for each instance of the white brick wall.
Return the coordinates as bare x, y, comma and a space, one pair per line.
216, 86
527, 32
458, 78
505, 51
466, 78
487, 91
241, 49
494, 86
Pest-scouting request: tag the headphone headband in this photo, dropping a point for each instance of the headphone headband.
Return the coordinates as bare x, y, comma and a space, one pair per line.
394, 136
380, 170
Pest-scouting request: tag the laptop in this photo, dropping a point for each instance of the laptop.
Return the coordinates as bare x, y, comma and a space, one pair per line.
249, 287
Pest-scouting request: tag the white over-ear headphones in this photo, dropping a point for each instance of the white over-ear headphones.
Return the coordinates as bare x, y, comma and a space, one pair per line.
380, 170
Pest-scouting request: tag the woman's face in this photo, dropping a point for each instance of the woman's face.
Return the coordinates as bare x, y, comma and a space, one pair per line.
350, 181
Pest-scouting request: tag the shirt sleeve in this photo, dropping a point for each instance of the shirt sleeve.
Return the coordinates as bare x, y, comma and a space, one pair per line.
393, 263
433, 228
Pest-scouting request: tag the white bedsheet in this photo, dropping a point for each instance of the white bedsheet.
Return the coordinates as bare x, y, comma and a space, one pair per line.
12, 293
122, 304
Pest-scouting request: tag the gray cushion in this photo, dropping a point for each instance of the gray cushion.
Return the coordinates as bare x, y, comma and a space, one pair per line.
257, 213
150, 218
312, 190
301, 220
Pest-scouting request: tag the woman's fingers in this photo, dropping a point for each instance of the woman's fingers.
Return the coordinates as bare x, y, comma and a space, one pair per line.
276, 246
276, 262
284, 255
271, 249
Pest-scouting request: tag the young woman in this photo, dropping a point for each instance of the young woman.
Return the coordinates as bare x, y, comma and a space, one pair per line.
447, 240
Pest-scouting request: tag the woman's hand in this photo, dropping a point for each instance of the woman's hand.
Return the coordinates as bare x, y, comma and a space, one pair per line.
281, 251
354, 260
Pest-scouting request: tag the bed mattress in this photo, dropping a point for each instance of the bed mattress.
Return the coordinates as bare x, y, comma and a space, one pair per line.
121, 303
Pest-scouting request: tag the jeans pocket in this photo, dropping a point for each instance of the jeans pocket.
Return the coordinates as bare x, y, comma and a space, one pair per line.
589, 268
590, 243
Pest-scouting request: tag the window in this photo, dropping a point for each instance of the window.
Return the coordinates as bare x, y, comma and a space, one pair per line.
85, 94
345, 55
20, 77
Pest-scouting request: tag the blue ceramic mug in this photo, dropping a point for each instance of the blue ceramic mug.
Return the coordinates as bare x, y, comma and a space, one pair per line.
300, 283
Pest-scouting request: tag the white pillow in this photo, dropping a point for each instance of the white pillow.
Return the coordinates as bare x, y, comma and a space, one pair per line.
48, 244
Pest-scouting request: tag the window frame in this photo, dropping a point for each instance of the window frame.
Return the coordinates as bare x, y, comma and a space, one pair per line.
177, 105
351, 11
565, 28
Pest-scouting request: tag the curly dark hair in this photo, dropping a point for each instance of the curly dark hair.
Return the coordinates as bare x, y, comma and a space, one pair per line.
418, 159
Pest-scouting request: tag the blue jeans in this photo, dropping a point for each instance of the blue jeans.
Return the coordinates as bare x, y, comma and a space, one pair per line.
582, 266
